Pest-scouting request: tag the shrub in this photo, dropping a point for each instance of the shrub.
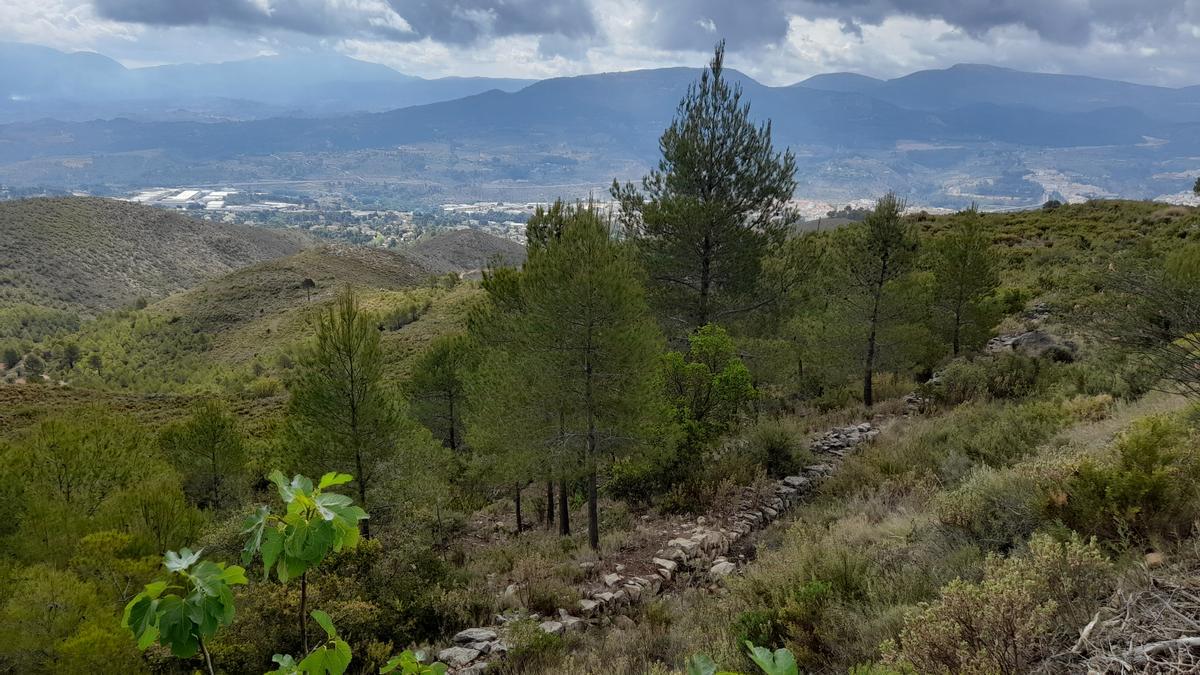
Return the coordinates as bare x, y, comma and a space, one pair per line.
531, 648
775, 445
1013, 618
1146, 490
996, 508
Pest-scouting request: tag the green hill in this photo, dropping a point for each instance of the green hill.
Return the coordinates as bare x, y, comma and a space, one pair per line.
86, 255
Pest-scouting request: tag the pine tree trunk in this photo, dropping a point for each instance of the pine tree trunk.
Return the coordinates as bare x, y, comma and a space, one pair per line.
549, 505
517, 504
564, 513
304, 611
362, 494
705, 283
593, 512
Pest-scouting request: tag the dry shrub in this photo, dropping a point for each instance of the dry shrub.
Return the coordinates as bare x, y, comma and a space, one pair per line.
1012, 619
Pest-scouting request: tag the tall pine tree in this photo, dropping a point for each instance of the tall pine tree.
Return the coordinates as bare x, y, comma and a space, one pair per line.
965, 277
866, 263
714, 207
578, 371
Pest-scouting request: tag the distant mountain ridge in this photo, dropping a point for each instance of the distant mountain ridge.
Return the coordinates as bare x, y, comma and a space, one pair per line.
950, 137
38, 82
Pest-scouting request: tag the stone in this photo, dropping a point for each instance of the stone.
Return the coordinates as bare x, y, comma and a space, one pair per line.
611, 580
569, 622
483, 647
771, 513
474, 635
624, 622
499, 647
722, 569
619, 598
603, 598
474, 669
687, 546
588, 607
458, 656
633, 591
551, 627
664, 564
620, 567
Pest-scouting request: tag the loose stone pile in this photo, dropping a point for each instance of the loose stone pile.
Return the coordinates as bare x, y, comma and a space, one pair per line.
702, 556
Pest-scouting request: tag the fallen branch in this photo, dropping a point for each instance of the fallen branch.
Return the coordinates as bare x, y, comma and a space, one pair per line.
1142, 655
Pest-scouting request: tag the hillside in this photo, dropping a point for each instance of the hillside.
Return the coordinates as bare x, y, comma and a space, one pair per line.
467, 251
90, 255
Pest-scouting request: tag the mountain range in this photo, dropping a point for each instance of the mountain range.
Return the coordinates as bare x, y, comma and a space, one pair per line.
38, 82
951, 136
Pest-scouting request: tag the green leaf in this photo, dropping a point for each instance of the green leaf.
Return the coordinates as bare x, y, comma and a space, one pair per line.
271, 548
701, 665
326, 623
254, 525
285, 488
181, 561
175, 627
234, 576
333, 478
782, 662
329, 659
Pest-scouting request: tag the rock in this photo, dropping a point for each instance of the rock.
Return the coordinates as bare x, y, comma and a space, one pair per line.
772, 514
483, 647
664, 564
620, 598
1154, 559
722, 569
588, 607
551, 627
687, 546
611, 580
620, 567
474, 635
458, 656
569, 622
796, 481
474, 669
603, 598
624, 622
499, 647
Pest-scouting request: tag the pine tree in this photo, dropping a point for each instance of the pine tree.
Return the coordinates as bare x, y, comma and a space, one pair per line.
716, 204
207, 444
436, 389
865, 264
965, 276
340, 409
578, 371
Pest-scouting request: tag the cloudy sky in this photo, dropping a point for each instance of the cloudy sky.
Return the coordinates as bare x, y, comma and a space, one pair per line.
776, 41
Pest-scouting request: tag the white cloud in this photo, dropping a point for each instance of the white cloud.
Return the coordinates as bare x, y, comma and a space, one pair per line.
1161, 47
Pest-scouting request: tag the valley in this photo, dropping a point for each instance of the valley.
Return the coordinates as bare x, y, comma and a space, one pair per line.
382, 374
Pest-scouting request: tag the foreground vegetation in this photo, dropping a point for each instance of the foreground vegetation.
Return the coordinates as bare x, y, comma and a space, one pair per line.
480, 446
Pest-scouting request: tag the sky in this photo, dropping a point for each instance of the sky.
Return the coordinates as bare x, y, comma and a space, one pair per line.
775, 41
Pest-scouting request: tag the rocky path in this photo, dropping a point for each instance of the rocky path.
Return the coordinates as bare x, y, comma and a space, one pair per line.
700, 552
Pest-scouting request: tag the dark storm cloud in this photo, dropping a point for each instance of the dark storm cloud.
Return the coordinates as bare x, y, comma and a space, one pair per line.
686, 24
449, 21
1060, 21
464, 21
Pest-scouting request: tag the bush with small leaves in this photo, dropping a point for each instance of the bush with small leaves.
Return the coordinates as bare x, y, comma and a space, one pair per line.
1013, 618
190, 605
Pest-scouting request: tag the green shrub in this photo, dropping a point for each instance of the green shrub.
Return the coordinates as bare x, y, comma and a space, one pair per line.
1147, 488
1012, 619
531, 649
776, 446
995, 507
